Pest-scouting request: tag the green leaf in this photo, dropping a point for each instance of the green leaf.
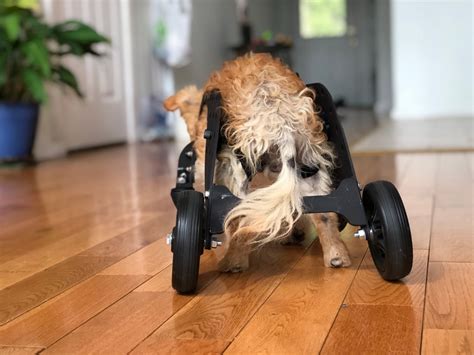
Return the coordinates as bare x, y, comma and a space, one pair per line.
34, 84
11, 25
37, 55
65, 76
77, 32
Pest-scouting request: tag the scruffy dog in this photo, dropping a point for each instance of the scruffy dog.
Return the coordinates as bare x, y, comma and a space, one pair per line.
271, 121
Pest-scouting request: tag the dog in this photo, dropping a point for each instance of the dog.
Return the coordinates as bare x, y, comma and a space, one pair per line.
271, 121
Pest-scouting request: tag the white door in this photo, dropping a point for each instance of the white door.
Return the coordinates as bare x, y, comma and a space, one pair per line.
99, 118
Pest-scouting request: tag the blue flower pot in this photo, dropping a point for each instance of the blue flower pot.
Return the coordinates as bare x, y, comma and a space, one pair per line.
18, 122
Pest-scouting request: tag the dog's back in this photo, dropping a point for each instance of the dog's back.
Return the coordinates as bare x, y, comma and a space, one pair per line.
269, 109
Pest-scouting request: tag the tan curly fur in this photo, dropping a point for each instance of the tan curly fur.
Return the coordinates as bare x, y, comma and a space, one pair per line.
270, 116
268, 106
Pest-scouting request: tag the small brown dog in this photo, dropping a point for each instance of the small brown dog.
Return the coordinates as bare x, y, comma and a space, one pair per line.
270, 118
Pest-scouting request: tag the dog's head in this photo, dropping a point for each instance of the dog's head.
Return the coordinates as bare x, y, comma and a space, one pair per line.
188, 102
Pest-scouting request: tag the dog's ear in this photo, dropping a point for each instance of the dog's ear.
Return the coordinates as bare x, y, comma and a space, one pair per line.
170, 104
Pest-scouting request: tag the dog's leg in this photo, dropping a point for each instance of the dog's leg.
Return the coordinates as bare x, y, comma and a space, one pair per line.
236, 258
229, 172
334, 250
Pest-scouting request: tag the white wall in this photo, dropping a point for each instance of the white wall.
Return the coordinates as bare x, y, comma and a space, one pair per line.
432, 58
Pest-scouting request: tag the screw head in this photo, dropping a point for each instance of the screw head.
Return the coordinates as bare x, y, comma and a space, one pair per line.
360, 234
189, 153
181, 180
207, 134
216, 244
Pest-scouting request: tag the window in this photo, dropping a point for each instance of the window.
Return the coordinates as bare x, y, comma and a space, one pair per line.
322, 18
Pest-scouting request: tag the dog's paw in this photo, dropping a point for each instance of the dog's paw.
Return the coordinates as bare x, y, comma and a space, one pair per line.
337, 257
233, 265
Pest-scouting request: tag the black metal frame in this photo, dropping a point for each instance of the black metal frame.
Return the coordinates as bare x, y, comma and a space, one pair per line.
345, 199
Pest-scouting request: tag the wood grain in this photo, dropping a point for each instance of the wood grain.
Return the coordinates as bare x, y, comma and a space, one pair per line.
452, 237
147, 261
421, 175
58, 251
31, 292
14, 350
86, 270
222, 309
449, 296
185, 347
369, 288
443, 341
52, 320
126, 323
420, 216
83, 214
297, 317
375, 329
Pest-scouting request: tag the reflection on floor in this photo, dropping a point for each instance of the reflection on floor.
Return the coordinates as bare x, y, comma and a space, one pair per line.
423, 135
84, 267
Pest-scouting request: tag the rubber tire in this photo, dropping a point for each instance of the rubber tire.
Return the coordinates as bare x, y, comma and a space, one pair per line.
188, 241
397, 259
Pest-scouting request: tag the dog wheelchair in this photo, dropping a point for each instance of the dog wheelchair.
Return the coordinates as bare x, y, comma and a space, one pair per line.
378, 210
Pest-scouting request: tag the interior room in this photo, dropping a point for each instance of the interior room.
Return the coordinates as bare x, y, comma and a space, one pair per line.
172, 173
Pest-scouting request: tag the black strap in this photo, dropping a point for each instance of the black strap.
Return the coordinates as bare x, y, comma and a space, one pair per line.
212, 134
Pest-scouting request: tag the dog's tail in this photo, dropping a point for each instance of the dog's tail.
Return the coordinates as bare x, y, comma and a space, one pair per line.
268, 214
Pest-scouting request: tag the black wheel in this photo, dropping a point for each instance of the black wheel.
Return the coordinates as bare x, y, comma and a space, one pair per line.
188, 241
388, 231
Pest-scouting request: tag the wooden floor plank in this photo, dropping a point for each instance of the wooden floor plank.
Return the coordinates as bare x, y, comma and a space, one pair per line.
39, 259
76, 217
223, 309
31, 292
85, 267
54, 319
452, 238
420, 216
449, 296
421, 176
444, 341
375, 329
148, 261
369, 288
127, 322
13, 350
298, 315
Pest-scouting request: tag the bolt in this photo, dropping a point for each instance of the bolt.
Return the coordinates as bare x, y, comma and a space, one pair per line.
169, 238
189, 169
207, 134
216, 244
189, 153
360, 234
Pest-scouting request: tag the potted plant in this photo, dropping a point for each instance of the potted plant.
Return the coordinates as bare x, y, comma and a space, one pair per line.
31, 53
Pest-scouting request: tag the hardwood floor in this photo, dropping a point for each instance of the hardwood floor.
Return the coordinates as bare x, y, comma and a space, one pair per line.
84, 267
